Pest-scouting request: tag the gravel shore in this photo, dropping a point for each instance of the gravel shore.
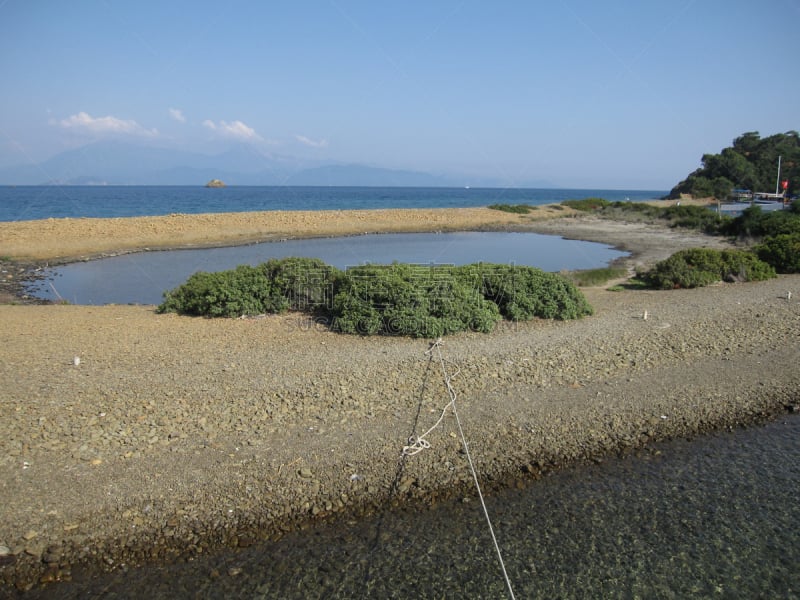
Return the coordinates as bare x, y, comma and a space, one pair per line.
128, 436
78, 239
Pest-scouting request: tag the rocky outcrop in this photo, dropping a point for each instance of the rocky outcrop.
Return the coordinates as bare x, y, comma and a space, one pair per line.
215, 183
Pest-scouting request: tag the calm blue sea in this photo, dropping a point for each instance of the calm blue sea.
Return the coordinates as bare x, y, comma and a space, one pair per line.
24, 203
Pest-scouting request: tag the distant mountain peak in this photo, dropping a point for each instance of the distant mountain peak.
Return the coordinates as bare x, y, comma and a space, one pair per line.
114, 162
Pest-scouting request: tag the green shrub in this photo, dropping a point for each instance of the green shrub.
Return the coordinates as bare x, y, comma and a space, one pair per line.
637, 207
753, 222
587, 204
698, 267
272, 287
402, 299
425, 301
245, 290
397, 299
781, 251
306, 283
522, 293
688, 216
695, 217
594, 277
522, 209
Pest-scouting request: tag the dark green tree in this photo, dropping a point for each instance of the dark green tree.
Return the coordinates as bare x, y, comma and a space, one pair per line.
751, 163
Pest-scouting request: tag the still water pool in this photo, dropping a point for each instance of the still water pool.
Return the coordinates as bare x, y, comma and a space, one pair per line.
716, 517
143, 277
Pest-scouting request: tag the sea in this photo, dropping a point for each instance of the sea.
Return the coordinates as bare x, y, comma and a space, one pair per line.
25, 203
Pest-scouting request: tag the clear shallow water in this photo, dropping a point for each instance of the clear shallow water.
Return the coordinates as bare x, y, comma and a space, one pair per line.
714, 517
142, 278
22, 203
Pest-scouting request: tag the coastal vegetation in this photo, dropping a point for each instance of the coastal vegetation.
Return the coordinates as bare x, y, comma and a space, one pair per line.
698, 267
272, 287
595, 277
587, 204
755, 223
777, 233
521, 209
396, 299
403, 299
782, 252
689, 216
774, 238
752, 223
750, 163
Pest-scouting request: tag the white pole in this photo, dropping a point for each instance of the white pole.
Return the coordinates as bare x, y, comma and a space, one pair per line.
778, 181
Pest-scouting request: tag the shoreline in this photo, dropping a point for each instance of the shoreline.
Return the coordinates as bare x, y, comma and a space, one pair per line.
81, 239
175, 437
28, 247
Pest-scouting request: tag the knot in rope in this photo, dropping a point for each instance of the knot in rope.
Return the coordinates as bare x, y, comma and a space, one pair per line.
418, 443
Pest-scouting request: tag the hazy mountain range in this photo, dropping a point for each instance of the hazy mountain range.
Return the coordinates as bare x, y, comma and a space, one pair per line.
118, 163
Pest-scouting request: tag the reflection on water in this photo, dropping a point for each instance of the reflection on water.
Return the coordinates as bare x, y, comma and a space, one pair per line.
716, 517
142, 278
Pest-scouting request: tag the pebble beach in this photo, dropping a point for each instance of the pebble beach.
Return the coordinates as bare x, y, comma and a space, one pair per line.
130, 437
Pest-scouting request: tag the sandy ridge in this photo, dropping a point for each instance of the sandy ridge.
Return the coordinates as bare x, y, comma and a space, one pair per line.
68, 238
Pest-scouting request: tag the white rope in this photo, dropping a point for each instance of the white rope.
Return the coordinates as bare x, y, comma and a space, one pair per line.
420, 443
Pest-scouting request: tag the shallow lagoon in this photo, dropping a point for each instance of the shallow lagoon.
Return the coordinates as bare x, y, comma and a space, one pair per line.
142, 278
713, 517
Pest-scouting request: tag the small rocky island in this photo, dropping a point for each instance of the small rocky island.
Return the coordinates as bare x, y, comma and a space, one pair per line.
215, 183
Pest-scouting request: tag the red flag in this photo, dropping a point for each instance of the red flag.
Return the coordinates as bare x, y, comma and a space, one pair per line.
785, 184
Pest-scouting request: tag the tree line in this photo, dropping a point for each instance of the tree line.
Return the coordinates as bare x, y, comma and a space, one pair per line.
750, 164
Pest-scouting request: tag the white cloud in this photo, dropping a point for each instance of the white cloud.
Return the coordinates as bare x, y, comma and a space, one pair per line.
102, 125
177, 114
234, 129
313, 143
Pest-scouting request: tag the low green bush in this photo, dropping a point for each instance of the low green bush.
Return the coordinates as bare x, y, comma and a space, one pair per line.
701, 218
307, 284
522, 293
690, 216
245, 290
397, 299
402, 299
595, 277
698, 267
637, 207
781, 251
522, 209
753, 222
272, 287
587, 204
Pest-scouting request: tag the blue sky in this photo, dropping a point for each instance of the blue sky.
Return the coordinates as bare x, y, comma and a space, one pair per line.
619, 94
